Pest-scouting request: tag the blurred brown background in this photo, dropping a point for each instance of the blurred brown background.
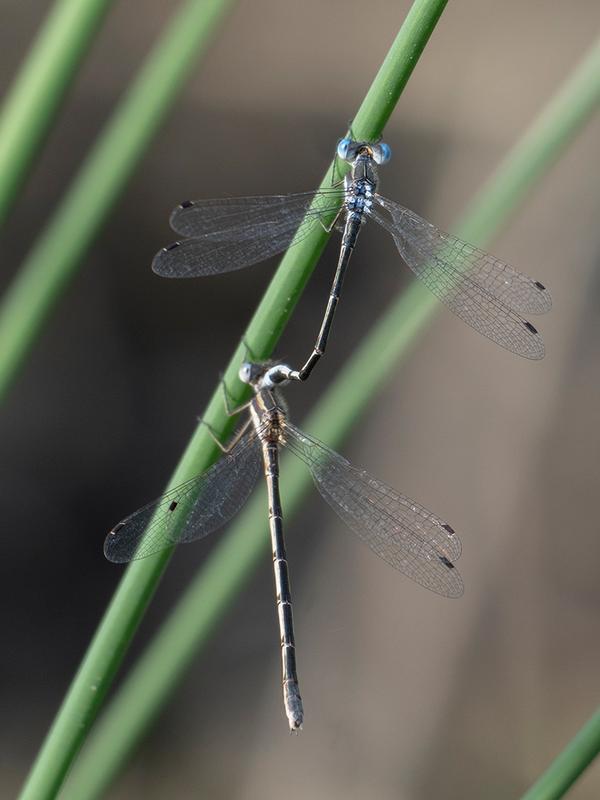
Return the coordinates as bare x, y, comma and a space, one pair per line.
407, 695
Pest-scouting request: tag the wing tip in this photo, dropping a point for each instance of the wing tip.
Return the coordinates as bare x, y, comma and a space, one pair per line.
178, 209
545, 296
457, 588
158, 267
537, 352
110, 543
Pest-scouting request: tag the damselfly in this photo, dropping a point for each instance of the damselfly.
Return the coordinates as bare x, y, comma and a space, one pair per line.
403, 533
230, 233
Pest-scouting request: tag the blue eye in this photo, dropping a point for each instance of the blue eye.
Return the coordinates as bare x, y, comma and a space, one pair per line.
343, 147
382, 153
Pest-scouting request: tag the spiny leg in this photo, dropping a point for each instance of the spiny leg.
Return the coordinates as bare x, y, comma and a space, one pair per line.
329, 228
231, 412
336, 176
249, 352
226, 448
230, 409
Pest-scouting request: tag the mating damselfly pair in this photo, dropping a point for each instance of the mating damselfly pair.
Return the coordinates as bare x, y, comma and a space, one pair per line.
228, 234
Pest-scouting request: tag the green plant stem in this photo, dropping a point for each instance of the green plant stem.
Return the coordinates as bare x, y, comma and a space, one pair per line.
141, 578
568, 766
35, 97
569, 109
226, 572
54, 258
297, 265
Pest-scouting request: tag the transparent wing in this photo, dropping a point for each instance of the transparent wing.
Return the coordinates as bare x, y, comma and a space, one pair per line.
518, 291
484, 292
231, 233
238, 218
401, 532
190, 511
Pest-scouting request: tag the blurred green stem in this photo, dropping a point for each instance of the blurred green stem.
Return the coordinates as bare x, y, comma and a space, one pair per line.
157, 673
568, 766
61, 247
35, 97
570, 108
141, 578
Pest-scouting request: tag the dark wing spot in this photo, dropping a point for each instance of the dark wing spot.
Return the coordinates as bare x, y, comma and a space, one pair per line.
171, 246
117, 528
446, 562
173, 505
540, 286
448, 529
530, 327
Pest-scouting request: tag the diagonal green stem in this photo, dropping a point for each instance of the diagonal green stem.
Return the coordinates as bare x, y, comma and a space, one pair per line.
568, 766
225, 573
55, 257
570, 108
141, 578
32, 103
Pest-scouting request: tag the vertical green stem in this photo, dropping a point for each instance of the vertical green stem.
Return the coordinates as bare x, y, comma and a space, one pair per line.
141, 578
157, 673
35, 97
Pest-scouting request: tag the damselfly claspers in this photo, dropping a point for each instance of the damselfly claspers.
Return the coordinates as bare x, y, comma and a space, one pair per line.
230, 233
403, 533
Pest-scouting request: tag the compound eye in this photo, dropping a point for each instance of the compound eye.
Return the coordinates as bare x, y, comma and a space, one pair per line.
382, 153
343, 148
245, 372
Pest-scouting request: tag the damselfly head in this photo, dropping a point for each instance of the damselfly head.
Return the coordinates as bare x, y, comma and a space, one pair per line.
267, 375
252, 373
349, 150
